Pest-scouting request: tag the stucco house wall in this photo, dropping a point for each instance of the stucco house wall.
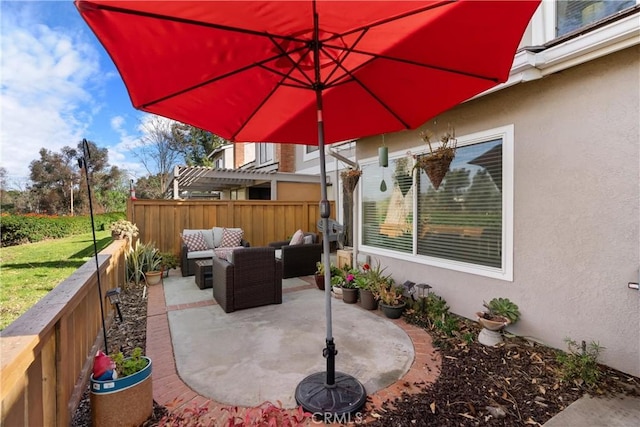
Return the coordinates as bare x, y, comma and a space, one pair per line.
576, 236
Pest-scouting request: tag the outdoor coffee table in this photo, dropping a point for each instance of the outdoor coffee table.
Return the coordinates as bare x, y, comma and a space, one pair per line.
204, 274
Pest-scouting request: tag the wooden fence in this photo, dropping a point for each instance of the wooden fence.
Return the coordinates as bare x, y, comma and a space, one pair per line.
47, 353
263, 221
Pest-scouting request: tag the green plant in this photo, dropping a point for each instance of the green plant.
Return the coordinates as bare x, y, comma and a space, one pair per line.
580, 363
320, 267
140, 259
129, 365
168, 260
124, 228
389, 294
503, 307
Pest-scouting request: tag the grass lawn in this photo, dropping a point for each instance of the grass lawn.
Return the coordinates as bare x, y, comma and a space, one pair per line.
28, 272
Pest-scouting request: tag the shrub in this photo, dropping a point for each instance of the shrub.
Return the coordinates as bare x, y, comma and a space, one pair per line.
580, 364
31, 228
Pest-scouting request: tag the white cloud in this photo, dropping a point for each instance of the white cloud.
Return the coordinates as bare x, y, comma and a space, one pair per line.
46, 75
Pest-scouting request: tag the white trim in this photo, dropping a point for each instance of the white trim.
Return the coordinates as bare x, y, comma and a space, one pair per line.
309, 156
596, 43
506, 133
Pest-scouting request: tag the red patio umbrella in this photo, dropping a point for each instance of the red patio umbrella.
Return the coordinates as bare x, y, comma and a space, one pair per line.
267, 71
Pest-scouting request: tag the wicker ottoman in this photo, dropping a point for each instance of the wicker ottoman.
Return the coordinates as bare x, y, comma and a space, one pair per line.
204, 274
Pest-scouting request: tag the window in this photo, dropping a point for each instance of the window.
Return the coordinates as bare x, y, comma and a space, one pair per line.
465, 225
574, 14
387, 210
265, 153
462, 220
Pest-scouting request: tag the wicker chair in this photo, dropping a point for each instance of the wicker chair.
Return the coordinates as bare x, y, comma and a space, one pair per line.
253, 279
299, 260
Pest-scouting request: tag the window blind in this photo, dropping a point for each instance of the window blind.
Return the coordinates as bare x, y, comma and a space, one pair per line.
462, 220
387, 209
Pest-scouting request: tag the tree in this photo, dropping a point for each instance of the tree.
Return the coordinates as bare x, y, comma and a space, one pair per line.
149, 187
157, 151
53, 177
195, 144
58, 183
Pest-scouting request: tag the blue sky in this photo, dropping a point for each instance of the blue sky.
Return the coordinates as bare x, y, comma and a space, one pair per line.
59, 86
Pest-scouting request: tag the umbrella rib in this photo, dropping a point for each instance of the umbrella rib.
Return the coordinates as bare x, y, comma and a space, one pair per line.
375, 56
339, 61
394, 18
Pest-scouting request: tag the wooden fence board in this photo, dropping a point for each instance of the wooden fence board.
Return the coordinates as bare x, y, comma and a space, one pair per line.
263, 221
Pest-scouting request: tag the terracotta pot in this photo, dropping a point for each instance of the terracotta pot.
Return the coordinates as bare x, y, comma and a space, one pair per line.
367, 300
153, 277
494, 324
392, 311
319, 281
350, 296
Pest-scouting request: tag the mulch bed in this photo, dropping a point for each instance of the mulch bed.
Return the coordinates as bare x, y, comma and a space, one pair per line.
518, 383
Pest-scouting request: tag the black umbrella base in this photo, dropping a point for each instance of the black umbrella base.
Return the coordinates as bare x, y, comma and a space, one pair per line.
335, 403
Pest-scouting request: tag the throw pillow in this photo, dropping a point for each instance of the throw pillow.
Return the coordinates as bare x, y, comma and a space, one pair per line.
222, 253
298, 238
231, 238
194, 242
307, 240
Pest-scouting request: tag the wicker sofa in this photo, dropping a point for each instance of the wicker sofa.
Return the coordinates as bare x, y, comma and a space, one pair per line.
299, 260
212, 237
250, 277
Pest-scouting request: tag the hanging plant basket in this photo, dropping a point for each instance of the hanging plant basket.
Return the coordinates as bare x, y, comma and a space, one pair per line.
436, 163
350, 179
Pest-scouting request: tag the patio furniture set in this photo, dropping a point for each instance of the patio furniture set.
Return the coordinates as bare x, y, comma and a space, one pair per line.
243, 276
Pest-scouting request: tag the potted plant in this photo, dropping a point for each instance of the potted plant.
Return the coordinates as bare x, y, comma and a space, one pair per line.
436, 162
319, 275
168, 261
143, 262
369, 282
125, 398
391, 299
349, 287
499, 313
337, 279
350, 178
123, 229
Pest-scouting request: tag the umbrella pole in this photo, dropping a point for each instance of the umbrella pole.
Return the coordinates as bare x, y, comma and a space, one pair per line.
326, 395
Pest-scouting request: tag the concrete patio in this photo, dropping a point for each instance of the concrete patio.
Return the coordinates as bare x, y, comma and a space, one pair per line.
198, 357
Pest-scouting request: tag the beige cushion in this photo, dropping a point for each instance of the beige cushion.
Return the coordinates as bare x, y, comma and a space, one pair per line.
201, 254
297, 238
217, 236
307, 240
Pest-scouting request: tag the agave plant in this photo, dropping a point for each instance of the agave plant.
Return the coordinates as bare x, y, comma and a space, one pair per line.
503, 307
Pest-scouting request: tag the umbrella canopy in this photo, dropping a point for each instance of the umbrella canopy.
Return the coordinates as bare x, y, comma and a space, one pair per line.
266, 71
245, 69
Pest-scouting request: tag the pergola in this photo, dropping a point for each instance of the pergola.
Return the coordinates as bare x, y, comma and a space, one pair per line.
190, 180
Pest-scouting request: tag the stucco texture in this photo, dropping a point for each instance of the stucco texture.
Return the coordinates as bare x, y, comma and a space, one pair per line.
576, 207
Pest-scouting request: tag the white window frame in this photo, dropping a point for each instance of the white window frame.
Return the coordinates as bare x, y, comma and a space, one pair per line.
269, 148
506, 133
543, 26
306, 155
